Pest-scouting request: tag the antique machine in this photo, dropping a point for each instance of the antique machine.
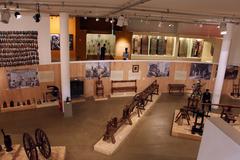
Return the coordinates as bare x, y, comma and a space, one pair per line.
236, 89
183, 114
7, 142
139, 101
197, 89
198, 126
42, 143
53, 92
227, 114
99, 88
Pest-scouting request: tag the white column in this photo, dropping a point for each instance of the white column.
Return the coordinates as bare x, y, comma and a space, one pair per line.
64, 54
222, 64
175, 47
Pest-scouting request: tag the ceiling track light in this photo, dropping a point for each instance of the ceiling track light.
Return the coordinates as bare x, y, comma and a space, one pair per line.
37, 16
17, 13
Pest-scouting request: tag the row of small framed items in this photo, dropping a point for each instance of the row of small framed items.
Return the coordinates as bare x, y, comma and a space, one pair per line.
18, 48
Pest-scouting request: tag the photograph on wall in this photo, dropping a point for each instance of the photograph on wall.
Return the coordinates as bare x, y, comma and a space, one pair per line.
94, 39
231, 72
200, 71
158, 69
55, 41
70, 41
99, 69
22, 78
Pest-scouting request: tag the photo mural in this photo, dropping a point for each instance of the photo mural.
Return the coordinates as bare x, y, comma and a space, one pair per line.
200, 71
158, 69
97, 69
94, 39
22, 78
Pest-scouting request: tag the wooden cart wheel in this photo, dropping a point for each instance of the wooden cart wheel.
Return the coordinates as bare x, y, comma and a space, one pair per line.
43, 143
30, 147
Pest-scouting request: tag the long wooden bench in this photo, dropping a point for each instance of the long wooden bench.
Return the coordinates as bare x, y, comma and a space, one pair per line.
124, 86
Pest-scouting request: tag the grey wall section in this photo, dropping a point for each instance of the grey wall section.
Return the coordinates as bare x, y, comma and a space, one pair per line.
234, 57
220, 141
26, 23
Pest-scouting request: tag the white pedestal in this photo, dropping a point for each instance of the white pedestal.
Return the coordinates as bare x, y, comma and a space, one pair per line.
108, 148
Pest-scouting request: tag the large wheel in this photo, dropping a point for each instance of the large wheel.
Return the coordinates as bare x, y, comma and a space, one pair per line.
43, 143
30, 147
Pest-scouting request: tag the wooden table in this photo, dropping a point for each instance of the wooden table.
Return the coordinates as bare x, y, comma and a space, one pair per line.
176, 87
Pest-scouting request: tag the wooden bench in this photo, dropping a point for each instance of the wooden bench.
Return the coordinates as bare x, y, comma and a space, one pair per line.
124, 86
176, 87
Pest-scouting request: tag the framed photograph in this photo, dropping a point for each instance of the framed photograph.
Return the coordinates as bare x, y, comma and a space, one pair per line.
55, 41
135, 68
200, 71
70, 42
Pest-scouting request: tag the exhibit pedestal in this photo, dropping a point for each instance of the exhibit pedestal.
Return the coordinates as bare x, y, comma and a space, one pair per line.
123, 94
18, 153
184, 130
67, 109
107, 147
100, 98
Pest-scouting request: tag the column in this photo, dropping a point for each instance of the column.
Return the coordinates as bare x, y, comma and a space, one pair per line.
65, 66
222, 64
175, 47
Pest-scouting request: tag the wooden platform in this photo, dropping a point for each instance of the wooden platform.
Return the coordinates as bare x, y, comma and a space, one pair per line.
18, 153
184, 130
101, 98
108, 148
29, 107
123, 94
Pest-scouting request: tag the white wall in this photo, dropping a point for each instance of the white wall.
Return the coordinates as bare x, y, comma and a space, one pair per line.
220, 141
26, 23
234, 57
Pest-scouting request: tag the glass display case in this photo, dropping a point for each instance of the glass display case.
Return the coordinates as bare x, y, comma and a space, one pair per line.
153, 45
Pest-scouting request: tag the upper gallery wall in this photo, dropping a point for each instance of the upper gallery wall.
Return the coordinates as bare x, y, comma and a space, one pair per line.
27, 23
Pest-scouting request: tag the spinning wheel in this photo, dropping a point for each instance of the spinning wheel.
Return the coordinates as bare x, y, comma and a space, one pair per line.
43, 143
30, 147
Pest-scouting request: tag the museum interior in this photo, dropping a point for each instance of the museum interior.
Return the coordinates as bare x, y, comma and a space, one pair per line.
121, 80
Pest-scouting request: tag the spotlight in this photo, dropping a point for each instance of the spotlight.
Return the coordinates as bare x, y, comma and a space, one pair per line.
200, 25
112, 20
17, 13
160, 24
85, 18
97, 19
107, 19
171, 25
120, 21
125, 22
37, 16
223, 28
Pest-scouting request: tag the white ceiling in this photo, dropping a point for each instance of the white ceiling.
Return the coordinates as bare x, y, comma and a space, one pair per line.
206, 11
